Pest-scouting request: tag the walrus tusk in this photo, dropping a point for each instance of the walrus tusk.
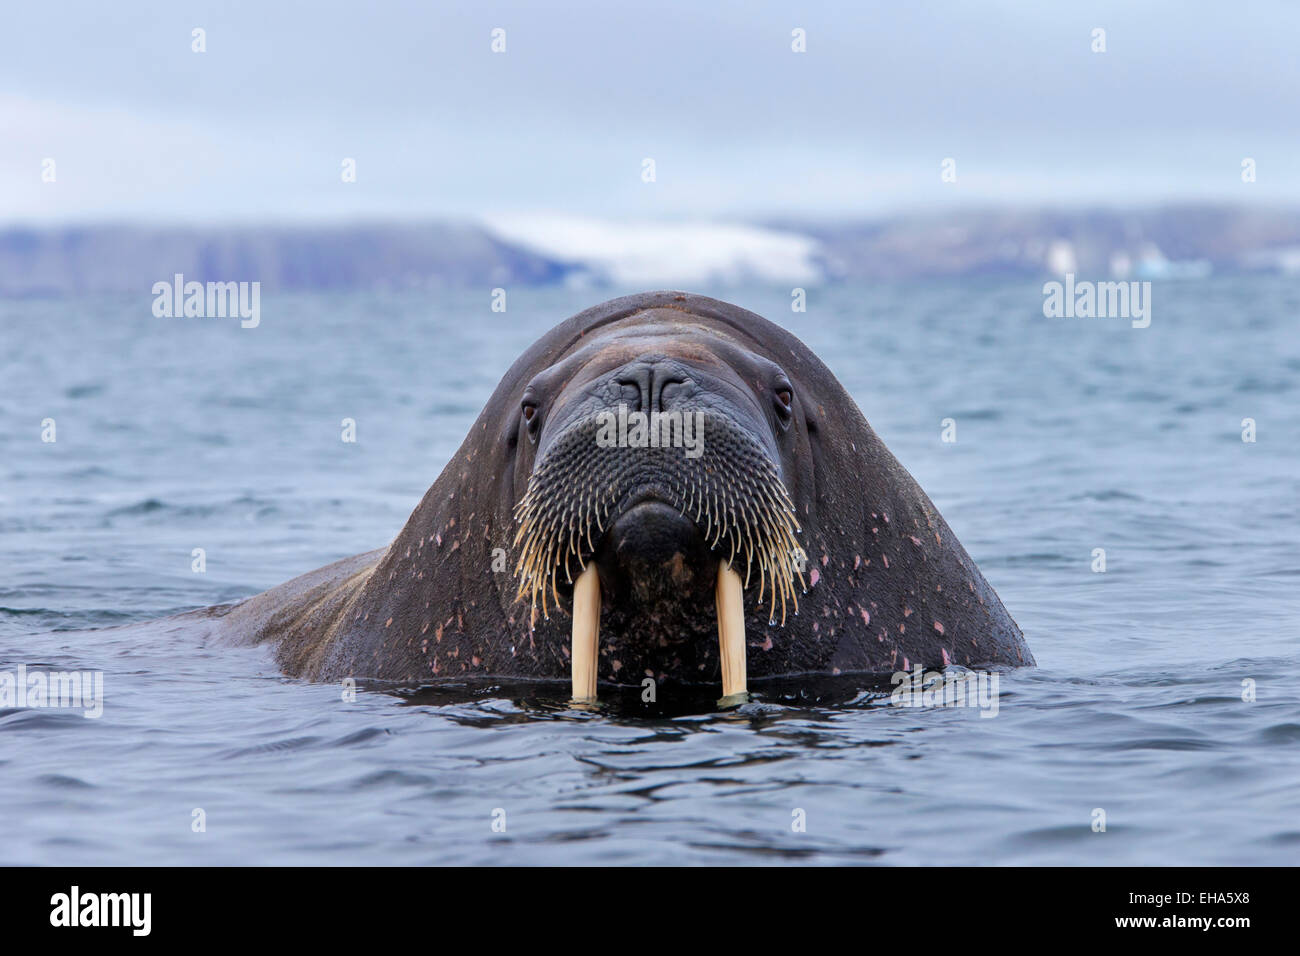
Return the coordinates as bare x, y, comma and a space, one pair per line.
586, 633
731, 631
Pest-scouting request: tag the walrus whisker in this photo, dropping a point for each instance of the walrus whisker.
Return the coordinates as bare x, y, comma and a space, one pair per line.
733, 493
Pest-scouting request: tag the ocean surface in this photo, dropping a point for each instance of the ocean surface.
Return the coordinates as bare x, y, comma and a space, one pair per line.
1166, 702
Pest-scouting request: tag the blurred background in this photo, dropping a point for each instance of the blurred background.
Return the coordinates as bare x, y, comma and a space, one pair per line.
327, 145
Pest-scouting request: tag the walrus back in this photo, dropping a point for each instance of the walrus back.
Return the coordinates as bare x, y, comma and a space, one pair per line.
305, 615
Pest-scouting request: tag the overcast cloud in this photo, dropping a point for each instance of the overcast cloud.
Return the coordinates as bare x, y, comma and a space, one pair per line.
256, 128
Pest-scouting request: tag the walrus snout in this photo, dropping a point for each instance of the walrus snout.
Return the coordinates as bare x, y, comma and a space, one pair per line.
654, 558
659, 521
653, 532
727, 501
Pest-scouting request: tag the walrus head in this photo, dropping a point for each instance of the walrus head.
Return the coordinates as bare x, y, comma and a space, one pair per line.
660, 450
663, 486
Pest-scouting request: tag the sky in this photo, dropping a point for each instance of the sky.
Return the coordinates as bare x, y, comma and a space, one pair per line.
142, 128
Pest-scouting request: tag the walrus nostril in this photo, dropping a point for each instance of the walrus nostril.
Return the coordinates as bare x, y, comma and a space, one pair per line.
649, 382
639, 379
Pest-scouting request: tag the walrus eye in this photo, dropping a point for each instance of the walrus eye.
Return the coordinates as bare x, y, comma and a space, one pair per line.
529, 411
784, 404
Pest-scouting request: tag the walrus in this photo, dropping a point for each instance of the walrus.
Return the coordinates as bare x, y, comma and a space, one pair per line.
664, 486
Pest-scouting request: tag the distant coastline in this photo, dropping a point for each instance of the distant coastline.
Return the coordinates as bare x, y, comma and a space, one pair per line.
1179, 241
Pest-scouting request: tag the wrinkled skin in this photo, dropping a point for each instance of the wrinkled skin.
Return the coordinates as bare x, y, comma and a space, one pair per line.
888, 584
